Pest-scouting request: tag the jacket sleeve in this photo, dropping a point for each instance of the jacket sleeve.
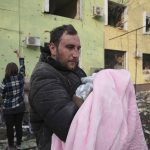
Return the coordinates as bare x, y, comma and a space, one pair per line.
53, 103
2, 92
22, 66
1, 88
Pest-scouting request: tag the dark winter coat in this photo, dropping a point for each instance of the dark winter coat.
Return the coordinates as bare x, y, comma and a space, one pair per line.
52, 109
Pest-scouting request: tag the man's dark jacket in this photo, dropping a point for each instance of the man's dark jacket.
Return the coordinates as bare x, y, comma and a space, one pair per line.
52, 109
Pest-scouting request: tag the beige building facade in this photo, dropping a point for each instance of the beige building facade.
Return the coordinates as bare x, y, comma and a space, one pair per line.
127, 39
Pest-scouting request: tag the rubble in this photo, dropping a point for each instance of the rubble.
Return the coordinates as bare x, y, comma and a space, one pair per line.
143, 102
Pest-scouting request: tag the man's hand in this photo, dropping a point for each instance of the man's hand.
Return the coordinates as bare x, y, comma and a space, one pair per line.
78, 101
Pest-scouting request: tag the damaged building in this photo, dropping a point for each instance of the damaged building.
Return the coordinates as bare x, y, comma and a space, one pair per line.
127, 46
111, 37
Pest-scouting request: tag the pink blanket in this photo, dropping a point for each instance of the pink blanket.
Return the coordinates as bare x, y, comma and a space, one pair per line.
108, 119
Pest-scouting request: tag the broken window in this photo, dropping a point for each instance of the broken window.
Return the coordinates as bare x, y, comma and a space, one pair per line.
146, 63
115, 59
116, 14
146, 22
65, 8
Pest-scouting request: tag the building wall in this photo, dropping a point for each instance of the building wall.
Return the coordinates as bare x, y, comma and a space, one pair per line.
27, 18
127, 42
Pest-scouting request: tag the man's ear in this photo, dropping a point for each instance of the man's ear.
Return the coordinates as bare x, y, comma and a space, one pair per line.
53, 49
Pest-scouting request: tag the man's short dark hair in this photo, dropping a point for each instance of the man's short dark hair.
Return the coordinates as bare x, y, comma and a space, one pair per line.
56, 33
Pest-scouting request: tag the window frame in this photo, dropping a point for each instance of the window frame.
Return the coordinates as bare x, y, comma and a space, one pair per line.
125, 26
145, 14
79, 9
114, 53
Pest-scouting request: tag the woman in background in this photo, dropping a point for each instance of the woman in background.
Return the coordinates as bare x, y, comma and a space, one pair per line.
12, 93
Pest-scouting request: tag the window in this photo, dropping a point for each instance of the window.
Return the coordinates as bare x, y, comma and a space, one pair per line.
146, 63
65, 8
116, 15
146, 23
115, 59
